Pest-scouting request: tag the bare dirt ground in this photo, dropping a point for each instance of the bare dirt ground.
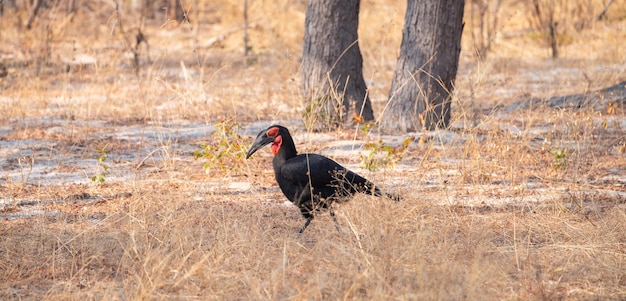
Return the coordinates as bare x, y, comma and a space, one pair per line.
122, 183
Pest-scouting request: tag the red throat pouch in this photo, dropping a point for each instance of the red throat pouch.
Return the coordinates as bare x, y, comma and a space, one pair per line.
278, 141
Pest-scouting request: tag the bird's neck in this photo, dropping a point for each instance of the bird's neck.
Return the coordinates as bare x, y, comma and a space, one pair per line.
287, 150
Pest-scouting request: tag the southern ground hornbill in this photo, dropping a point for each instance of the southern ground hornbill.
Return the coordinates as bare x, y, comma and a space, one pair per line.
310, 181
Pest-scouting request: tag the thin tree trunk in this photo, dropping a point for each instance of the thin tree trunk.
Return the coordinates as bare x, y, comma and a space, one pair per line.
71, 6
554, 39
426, 69
175, 10
33, 13
245, 28
332, 65
602, 14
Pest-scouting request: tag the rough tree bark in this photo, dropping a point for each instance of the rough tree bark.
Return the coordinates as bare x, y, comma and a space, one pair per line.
426, 69
332, 65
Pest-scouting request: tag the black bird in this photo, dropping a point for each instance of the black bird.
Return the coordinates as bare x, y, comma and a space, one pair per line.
310, 181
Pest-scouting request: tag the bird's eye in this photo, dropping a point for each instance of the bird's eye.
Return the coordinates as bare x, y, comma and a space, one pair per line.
272, 133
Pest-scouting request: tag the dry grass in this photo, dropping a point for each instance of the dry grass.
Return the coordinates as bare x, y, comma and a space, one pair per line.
520, 201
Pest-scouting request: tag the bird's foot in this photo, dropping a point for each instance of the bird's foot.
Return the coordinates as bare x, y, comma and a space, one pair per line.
306, 224
332, 213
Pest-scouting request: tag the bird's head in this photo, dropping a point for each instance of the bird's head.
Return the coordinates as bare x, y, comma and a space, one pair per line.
274, 135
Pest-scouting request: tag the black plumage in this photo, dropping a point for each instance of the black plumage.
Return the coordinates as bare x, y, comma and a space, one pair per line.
310, 181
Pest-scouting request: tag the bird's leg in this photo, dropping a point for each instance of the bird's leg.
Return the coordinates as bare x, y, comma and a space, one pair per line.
306, 224
332, 213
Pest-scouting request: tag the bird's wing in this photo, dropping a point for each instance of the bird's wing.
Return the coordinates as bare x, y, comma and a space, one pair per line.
311, 168
321, 171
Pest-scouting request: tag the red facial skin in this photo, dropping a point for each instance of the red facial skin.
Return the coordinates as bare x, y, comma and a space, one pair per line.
278, 140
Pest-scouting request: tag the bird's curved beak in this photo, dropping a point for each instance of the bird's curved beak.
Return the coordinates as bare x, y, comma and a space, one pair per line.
261, 140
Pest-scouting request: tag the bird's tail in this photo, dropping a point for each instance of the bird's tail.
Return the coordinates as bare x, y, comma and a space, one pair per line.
355, 183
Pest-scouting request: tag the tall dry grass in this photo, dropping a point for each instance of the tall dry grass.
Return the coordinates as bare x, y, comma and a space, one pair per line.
161, 244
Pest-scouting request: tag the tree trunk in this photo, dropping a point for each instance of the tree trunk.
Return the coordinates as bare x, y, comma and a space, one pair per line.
33, 13
175, 10
332, 65
429, 57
